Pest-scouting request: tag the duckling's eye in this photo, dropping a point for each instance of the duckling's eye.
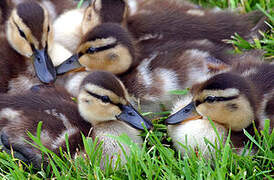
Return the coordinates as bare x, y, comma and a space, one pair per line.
210, 99
91, 50
22, 34
105, 99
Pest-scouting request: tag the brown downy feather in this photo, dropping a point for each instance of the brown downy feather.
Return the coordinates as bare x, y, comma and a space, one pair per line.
11, 64
26, 11
115, 12
167, 20
179, 58
4, 11
5, 8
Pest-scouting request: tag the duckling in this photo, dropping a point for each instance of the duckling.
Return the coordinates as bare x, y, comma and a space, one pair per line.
233, 99
72, 25
102, 109
182, 133
24, 50
173, 65
161, 21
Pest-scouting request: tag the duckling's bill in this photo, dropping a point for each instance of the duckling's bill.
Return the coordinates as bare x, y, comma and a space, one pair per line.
70, 64
133, 118
43, 66
187, 113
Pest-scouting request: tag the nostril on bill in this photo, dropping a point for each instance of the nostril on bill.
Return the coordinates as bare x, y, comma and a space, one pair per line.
187, 110
130, 113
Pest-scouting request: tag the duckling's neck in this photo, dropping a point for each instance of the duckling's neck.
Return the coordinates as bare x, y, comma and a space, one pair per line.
110, 146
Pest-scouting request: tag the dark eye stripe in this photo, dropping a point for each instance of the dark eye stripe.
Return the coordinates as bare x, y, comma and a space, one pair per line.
102, 98
92, 50
22, 34
218, 99
225, 98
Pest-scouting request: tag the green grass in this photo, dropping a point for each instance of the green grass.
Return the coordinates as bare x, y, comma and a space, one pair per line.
154, 160
157, 159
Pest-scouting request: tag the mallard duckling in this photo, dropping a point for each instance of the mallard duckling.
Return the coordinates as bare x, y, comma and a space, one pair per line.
24, 49
72, 25
103, 109
193, 130
173, 65
234, 99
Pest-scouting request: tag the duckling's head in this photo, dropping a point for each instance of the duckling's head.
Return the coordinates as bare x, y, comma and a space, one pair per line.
29, 32
103, 98
225, 98
107, 47
193, 128
104, 11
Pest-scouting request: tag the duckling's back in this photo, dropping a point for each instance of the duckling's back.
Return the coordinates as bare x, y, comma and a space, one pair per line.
164, 20
54, 108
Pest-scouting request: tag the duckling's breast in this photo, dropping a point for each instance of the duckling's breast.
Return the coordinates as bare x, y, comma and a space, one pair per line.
193, 134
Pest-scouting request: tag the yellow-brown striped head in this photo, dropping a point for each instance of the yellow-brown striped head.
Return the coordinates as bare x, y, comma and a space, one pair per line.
30, 33
103, 98
107, 47
225, 98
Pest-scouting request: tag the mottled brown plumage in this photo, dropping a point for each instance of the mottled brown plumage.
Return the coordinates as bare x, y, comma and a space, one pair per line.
4, 11
113, 11
165, 20
58, 113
